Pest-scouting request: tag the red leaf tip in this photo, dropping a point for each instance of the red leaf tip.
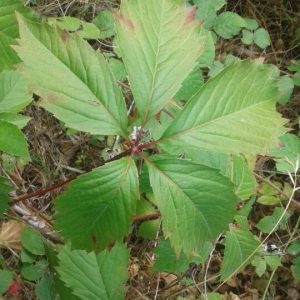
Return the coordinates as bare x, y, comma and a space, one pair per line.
190, 16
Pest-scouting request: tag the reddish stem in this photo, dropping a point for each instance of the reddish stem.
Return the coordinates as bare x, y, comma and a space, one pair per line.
147, 217
43, 191
147, 145
58, 185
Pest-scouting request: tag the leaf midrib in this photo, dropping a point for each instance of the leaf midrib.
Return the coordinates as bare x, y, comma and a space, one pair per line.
197, 127
150, 98
168, 179
72, 72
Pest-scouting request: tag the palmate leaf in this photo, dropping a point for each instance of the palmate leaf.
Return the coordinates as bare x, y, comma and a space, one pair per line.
234, 112
195, 201
159, 41
92, 276
74, 81
98, 207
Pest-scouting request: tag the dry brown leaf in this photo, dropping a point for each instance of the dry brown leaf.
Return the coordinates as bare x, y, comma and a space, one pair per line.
169, 279
133, 267
293, 293
234, 296
10, 235
233, 282
230, 296
251, 294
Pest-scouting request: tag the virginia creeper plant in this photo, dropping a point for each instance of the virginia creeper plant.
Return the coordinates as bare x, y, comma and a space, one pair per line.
189, 154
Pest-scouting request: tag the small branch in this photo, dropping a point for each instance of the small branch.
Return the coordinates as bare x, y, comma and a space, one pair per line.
295, 202
72, 169
61, 184
146, 217
168, 113
147, 145
122, 84
42, 191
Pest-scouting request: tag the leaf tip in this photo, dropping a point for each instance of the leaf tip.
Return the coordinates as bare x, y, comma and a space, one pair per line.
190, 16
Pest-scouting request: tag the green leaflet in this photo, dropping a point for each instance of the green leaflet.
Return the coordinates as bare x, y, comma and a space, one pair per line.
288, 154
98, 207
241, 247
196, 202
242, 176
159, 41
190, 85
4, 189
12, 140
105, 22
13, 97
217, 160
45, 289
13, 92
6, 278
261, 38
278, 220
9, 30
60, 287
296, 268
227, 24
8, 56
74, 81
232, 166
92, 276
19, 120
32, 241
167, 261
234, 112
8, 22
